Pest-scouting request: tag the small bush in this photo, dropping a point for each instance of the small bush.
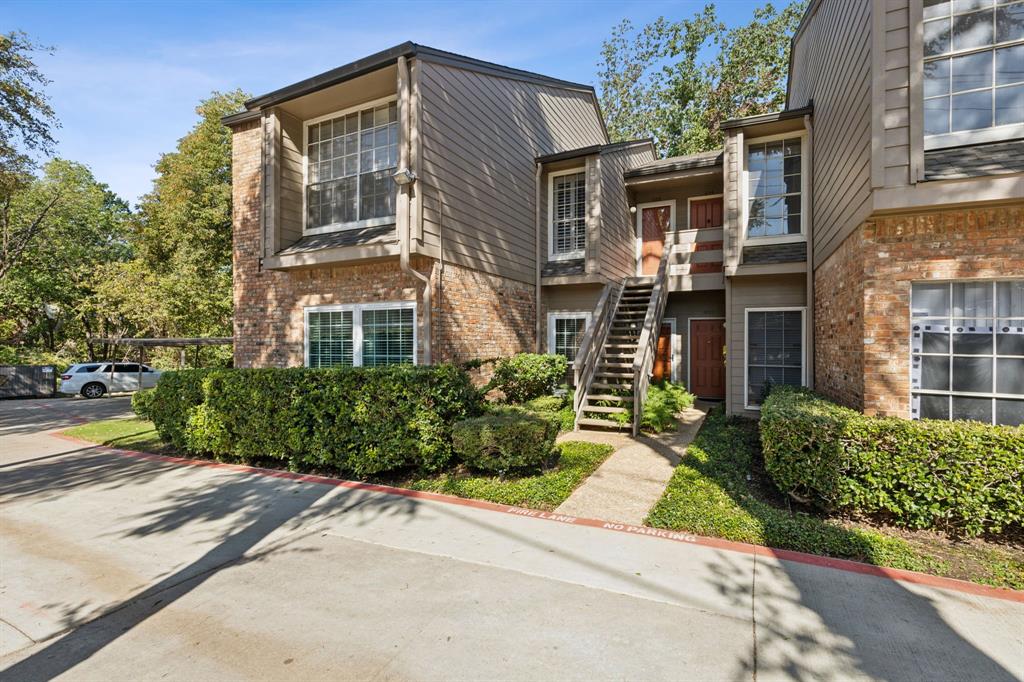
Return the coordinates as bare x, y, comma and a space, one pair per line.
526, 376
557, 407
362, 421
961, 476
141, 401
505, 439
664, 401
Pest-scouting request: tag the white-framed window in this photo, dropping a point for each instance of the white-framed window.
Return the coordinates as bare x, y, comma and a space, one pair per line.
361, 335
565, 333
350, 158
775, 352
967, 351
973, 71
567, 214
774, 187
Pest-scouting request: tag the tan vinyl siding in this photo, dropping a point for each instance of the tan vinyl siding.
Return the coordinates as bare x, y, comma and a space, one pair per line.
775, 291
291, 177
832, 67
732, 198
617, 226
480, 135
895, 111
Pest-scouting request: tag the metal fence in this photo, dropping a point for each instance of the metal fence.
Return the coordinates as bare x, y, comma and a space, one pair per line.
28, 381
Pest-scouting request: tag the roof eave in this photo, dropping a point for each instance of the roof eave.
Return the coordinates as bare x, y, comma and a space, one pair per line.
784, 115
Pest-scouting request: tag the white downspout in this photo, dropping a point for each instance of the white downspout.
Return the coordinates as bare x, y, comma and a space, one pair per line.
403, 214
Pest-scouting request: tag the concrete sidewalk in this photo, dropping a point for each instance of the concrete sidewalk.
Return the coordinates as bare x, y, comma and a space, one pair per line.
633, 478
116, 568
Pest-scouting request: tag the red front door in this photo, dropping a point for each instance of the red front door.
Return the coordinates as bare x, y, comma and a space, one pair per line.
707, 363
655, 221
662, 369
706, 213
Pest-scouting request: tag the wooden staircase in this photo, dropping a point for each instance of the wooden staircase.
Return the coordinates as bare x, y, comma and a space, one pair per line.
611, 390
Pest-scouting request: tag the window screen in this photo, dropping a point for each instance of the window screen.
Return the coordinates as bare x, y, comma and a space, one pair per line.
967, 351
330, 337
568, 334
350, 162
570, 213
387, 337
774, 351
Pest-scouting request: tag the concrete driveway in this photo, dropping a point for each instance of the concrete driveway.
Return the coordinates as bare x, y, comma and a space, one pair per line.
125, 568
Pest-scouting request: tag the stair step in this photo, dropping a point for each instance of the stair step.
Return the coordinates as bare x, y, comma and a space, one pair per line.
609, 398
610, 374
602, 423
617, 366
618, 357
605, 386
639, 305
604, 410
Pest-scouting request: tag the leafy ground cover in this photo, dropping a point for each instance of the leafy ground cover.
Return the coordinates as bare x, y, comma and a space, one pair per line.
720, 489
544, 490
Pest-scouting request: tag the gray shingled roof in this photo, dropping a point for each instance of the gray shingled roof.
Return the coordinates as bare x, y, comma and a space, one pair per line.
977, 160
560, 268
792, 252
363, 235
678, 163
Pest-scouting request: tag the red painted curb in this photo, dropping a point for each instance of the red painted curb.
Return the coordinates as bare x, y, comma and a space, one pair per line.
847, 565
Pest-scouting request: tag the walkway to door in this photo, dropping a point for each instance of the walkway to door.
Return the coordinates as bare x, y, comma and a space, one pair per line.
632, 480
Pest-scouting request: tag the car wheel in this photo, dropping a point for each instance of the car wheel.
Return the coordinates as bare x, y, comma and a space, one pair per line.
94, 390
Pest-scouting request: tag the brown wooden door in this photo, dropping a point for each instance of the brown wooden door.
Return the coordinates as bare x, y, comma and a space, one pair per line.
655, 221
707, 363
706, 213
662, 369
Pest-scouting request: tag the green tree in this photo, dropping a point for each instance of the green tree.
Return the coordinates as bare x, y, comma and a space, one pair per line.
44, 291
654, 81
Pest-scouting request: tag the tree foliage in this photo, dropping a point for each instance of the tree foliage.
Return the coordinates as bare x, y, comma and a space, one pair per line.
656, 81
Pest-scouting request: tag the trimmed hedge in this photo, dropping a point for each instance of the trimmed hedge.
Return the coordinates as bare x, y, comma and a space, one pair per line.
557, 407
505, 439
965, 477
526, 376
362, 421
141, 401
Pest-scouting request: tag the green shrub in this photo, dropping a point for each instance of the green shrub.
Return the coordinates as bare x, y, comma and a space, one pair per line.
526, 376
174, 397
664, 401
141, 401
361, 421
505, 439
962, 476
557, 407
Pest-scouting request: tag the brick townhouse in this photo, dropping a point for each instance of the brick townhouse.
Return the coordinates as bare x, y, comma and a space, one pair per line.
420, 206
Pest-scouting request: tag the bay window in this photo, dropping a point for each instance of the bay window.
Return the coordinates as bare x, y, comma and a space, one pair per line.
567, 208
366, 335
967, 351
973, 70
774, 351
774, 174
350, 160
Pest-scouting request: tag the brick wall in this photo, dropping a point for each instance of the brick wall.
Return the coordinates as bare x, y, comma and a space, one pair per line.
475, 315
872, 272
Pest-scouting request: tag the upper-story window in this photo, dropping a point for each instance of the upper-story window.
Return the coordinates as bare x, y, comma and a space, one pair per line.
350, 160
774, 187
567, 201
973, 70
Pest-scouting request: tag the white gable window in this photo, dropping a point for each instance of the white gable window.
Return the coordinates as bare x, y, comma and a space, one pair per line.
351, 157
565, 333
774, 187
967, 351
365, 335
567, 213
973, 71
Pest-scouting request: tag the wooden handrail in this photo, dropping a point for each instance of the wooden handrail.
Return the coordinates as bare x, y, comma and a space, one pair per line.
646, 348
589, 353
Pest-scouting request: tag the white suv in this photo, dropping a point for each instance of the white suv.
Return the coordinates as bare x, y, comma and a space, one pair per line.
93, 379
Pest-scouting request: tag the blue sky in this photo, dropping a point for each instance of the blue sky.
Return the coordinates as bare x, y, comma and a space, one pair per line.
127, 75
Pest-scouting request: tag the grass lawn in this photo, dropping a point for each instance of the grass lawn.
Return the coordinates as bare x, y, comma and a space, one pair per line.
719, 490
543, 491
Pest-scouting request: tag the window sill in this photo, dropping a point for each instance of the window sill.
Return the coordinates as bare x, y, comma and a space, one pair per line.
780, 239
341, 227
571, 255
966, 138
